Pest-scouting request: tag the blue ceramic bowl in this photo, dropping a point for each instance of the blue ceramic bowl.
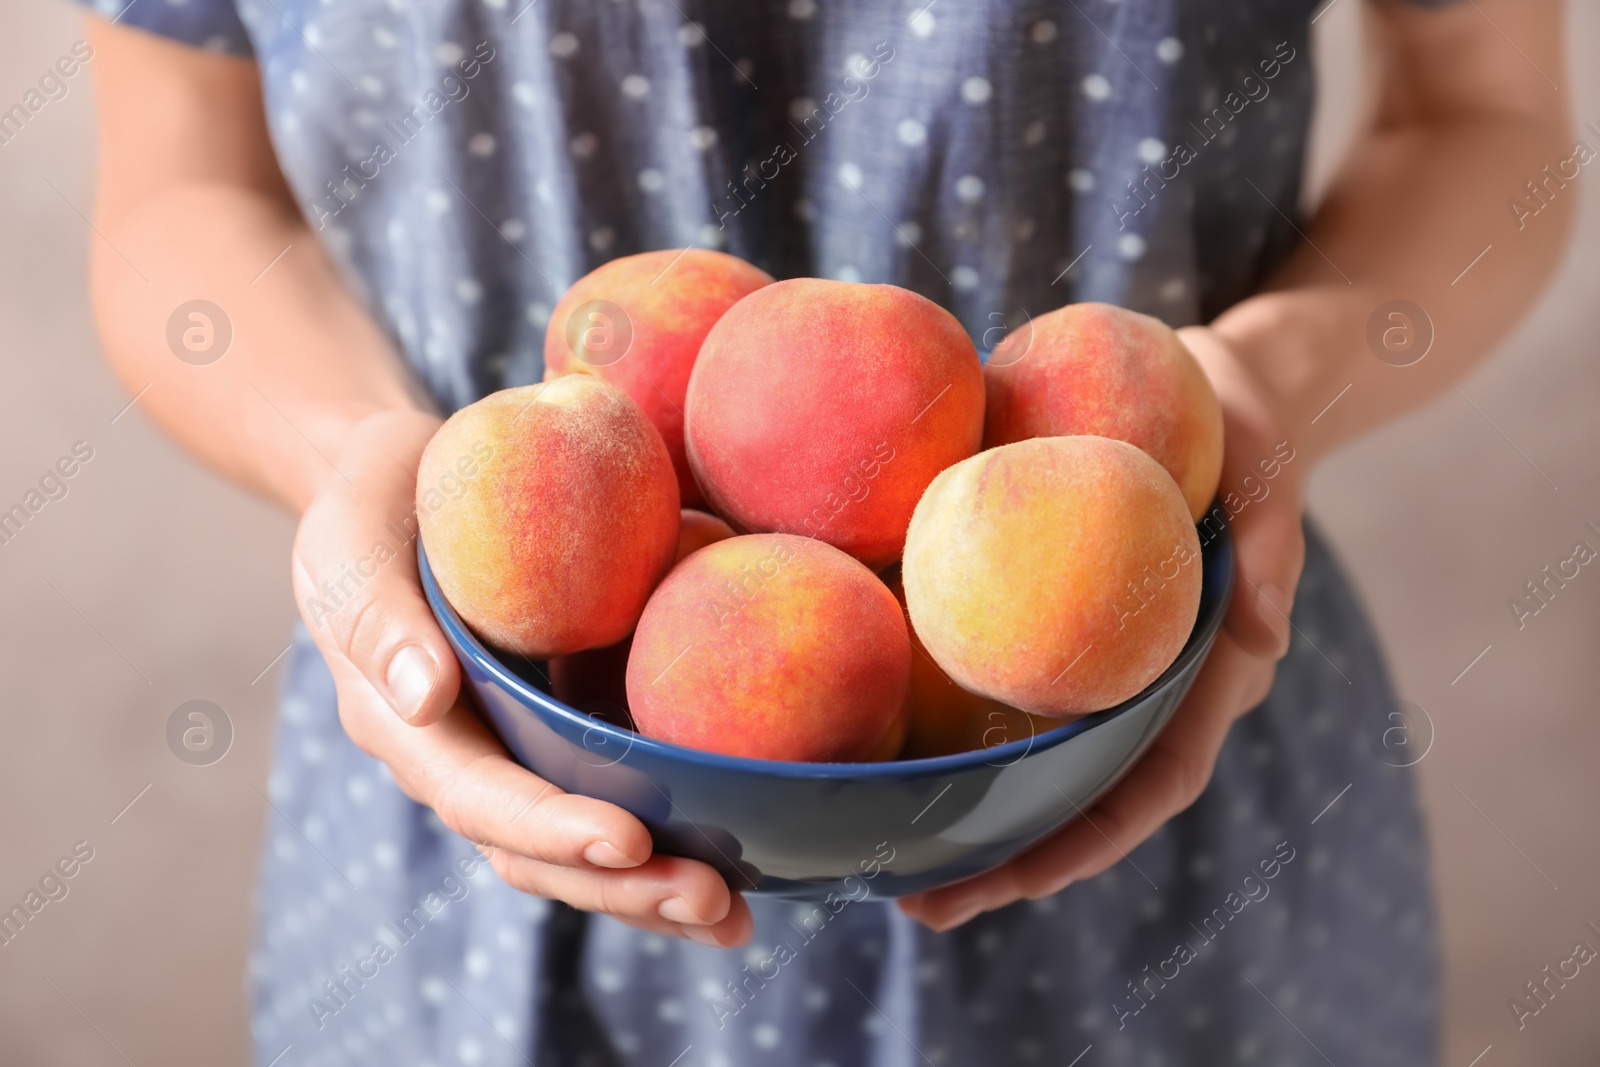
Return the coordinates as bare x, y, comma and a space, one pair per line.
805, 830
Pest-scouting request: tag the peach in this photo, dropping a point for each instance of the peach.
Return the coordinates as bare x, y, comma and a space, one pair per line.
942, 718
825, 408
772, 646
637, 322
1058, 575
567, 518
696, 530
593, 681
893, 742
1103, 370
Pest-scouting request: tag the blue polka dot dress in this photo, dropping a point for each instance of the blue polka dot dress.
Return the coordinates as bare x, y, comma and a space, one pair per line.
466, 160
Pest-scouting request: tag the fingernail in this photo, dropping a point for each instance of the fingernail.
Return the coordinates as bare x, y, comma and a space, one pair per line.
958, 918
676, 909
411, 675
1275, 613
703, 935
605, 854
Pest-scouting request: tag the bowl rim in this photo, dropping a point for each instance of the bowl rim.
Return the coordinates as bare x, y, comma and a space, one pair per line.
464, 641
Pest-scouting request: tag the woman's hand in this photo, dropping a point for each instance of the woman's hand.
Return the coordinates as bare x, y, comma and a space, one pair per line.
355, 578
1236, 676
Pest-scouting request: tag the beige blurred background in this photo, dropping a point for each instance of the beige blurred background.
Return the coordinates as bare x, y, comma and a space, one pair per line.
153, 582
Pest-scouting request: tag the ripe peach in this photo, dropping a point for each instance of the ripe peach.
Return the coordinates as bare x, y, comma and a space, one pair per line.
893, 742
825, 408
568, 517
593, 680
637, 322
771, 646
942, 718
1058, 575
696, 530
1099, 369
945, 719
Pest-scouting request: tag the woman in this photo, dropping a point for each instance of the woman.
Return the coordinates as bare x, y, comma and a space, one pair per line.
378, 205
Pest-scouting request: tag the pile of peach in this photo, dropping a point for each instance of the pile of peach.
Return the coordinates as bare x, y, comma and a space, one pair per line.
885, 547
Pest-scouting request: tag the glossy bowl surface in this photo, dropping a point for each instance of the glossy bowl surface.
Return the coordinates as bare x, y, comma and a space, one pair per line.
805, 830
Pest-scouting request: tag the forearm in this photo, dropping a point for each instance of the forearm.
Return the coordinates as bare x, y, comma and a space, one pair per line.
305, 362
1426, 195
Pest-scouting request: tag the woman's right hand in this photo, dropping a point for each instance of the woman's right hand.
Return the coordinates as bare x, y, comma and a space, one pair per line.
398, 687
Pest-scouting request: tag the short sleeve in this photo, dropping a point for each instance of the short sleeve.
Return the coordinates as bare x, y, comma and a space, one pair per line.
213, 25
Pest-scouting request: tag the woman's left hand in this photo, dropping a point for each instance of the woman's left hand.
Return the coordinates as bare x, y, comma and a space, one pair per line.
1269, 548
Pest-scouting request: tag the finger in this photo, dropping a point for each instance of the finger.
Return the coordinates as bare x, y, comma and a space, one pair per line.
494, 802
1260, 491
732, 931
680, 891
1166, 780
456, 767
355, 572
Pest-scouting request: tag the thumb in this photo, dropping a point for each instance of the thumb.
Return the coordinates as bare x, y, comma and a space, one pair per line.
355, 571
1261, 496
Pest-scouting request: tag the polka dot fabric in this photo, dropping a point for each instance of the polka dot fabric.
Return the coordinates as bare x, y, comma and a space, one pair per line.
466, 160
1299, 918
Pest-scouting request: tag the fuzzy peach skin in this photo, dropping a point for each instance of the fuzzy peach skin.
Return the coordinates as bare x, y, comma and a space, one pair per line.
941, 717
696, 530
670, 299
771, 646
1100, 369
825, 408
1058, 575
555, 540
593, 680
